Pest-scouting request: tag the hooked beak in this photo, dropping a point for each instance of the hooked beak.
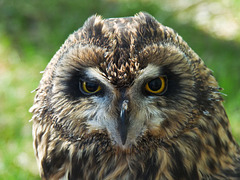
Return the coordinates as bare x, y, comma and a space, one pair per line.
123, 121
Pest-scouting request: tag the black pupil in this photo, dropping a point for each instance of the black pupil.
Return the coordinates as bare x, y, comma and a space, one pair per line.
91, 86
155, 84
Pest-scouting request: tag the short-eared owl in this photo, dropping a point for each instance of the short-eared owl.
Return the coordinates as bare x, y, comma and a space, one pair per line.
127, 98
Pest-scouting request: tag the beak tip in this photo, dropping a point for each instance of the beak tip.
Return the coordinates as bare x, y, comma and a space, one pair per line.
123, 139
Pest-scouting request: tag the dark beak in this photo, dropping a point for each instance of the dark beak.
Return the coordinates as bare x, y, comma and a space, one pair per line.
123, 121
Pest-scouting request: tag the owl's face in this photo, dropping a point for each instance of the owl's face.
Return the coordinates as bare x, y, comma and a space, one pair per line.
126, 79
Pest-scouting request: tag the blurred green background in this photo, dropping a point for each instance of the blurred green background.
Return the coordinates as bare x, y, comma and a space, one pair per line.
31, 31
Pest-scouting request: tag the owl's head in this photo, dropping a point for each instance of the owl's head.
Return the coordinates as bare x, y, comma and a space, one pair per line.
126, 79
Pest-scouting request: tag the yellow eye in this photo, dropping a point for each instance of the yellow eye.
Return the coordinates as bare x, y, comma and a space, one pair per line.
89, 87
157, 85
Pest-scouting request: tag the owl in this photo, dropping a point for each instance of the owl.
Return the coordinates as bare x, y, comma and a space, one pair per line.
127, 98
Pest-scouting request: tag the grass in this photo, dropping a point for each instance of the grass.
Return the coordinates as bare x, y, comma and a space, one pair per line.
17, 79
24, 53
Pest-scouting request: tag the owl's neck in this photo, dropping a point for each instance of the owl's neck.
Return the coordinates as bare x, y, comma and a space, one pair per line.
196, 153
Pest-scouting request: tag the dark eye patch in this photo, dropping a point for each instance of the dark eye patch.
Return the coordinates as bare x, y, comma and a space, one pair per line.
71, 85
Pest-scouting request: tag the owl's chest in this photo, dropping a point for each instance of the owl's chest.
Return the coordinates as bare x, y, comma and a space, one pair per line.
113, 166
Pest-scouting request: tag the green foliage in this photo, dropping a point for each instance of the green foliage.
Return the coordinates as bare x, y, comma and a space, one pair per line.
31, 31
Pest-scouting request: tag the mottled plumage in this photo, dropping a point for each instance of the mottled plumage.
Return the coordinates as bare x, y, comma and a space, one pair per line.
127, 98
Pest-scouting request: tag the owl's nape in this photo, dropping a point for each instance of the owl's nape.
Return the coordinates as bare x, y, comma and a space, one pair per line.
127, 98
